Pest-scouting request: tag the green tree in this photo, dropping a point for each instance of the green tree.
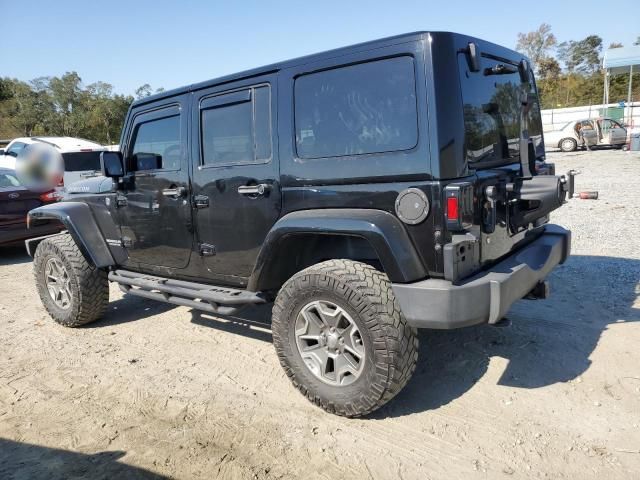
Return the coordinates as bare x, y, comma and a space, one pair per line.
143, 91
61, 106
549, 82
582, 56
537, 44
67, 96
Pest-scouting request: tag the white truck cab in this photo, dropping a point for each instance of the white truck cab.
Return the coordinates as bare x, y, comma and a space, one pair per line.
81, 157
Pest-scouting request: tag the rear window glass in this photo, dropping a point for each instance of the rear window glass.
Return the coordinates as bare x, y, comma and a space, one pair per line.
491, 108
358, 109
81, 161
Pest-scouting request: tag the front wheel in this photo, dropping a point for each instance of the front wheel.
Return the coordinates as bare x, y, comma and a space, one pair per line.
72, 291
341, 338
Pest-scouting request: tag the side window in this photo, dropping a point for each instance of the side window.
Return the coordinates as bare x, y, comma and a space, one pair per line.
357, 109
607, 124
15, 149
156, 145
236, 127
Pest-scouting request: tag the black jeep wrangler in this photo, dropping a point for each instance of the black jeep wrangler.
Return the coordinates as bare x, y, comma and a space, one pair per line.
366, 191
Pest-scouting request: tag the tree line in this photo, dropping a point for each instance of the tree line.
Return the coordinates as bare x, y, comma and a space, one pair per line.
64, 106
568, 74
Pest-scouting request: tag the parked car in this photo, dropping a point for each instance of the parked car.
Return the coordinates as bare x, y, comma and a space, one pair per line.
586, 134
15, 203
366, 191
81, 157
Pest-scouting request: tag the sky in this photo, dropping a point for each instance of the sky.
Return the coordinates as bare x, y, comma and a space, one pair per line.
173, 43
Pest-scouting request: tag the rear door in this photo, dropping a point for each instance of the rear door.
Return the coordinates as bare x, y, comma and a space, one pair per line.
236, 187
589, 133
155, 214
492, 118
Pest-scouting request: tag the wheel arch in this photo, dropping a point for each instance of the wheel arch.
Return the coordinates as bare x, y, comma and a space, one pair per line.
303, 238
81, 225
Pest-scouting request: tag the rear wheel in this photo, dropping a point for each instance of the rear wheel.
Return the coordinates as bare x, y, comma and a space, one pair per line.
72, 291
341, 338
568, 145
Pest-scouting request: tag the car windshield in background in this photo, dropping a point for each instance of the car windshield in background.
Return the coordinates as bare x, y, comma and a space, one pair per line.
8, 179
492, 104
81, 161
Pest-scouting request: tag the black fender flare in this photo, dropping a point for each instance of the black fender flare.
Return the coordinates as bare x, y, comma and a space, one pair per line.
81, 225
384, 232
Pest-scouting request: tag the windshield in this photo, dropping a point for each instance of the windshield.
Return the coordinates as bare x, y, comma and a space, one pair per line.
492, 105
8, 179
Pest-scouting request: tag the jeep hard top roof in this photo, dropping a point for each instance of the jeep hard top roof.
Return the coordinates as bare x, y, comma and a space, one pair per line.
274, 67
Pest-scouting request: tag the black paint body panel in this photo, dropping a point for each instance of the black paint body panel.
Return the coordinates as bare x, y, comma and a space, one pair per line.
346, 196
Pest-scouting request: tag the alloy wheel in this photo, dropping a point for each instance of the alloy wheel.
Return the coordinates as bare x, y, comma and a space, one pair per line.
330, 343
58, 283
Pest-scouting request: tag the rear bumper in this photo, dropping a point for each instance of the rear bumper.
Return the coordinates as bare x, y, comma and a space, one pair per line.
488, 295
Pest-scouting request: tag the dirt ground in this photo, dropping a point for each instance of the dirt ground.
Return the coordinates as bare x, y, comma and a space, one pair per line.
159, 391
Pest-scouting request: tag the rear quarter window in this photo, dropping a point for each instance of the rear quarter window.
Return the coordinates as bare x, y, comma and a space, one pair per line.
357, 109
81, 161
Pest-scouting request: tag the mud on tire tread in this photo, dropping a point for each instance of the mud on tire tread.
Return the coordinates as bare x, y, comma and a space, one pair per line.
395, 344
90, 287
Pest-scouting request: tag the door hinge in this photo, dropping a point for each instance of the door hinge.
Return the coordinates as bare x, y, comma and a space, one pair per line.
200, 201
121, 201
207, 250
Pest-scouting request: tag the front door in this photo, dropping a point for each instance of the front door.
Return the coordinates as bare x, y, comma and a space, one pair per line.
612, 132
154, 208
236, 188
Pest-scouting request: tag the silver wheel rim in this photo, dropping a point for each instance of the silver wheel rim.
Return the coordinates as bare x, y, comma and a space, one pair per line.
567, 145
58, 283
330, 343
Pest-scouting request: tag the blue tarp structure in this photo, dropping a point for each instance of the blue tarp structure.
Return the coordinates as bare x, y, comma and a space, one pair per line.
620, 60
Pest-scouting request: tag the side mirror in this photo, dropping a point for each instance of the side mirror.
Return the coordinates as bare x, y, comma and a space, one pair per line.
111, 164
1, 151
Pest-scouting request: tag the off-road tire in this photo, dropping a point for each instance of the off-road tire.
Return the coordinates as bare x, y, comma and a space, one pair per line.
565, 142
391, 345
88, 285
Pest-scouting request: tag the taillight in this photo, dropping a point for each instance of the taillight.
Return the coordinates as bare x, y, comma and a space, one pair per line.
459, 206
452, 209
51, 196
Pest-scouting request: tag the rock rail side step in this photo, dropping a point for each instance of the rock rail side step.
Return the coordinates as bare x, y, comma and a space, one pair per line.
210, 298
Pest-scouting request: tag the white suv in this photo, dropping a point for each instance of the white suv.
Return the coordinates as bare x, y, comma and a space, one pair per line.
81, 157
